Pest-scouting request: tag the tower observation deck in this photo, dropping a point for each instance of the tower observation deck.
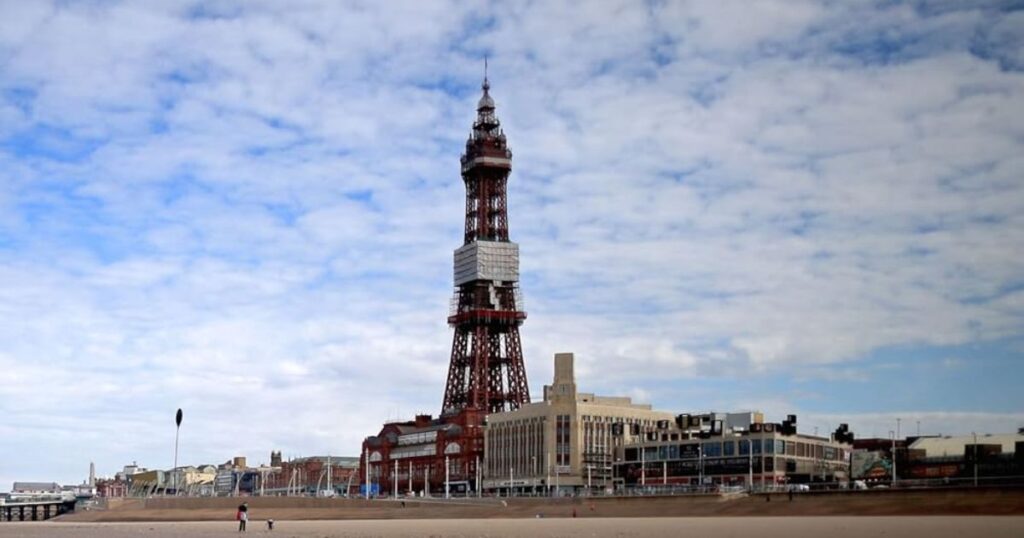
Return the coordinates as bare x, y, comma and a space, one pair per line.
486, 372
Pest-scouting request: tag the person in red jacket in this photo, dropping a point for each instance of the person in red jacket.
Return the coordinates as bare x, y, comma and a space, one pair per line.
242, 516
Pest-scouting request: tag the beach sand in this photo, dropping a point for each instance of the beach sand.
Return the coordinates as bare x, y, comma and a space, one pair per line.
761, 527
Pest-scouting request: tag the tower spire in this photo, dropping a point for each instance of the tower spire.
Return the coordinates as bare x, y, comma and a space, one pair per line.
486, 373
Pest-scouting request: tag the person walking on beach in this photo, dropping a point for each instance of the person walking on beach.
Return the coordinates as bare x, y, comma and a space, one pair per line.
242, 516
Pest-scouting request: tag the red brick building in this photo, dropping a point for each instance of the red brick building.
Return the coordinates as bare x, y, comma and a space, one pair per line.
111, 487
309, 475
424, 455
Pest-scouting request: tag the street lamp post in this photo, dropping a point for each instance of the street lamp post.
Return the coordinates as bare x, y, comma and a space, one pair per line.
557, 492
643, 467
177, 428
750, 464
447, 476
975, 449
366, 458
892, 434
547, 467
533, 473
700, 466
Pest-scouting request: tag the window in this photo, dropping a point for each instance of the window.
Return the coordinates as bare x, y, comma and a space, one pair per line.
756, 444
728, 448
712, 450
768, 446
562, 435
744, 447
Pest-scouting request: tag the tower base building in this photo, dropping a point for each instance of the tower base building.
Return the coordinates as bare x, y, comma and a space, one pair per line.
565, 444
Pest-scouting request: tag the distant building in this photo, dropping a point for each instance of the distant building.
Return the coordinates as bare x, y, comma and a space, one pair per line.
309, 476
565, 441
36, 488
957, 446
129, 470
423, 456
732, 449
111, 487
192, 480
81, 491
147, 482
992, 458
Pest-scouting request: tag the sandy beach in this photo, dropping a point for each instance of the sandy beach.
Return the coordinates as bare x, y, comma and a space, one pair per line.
762, 527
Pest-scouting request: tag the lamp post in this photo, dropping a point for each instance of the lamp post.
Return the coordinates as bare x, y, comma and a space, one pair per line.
447, 475
750, 464
366, 457
700, 466
547, 467
892, 434
975, 449
177, 428
557, 492
534, 473
643, 467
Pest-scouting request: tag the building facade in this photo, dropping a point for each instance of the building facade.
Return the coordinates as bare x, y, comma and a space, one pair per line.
564, 444
734, 449
111, 487
938, 460
425, 456
312, 475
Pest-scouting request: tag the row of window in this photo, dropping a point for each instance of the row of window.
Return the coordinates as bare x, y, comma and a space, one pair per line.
743, 447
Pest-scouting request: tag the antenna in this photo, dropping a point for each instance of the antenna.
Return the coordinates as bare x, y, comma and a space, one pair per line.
486, 84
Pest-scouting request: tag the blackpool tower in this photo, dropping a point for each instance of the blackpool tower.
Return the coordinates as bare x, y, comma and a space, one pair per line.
486, 373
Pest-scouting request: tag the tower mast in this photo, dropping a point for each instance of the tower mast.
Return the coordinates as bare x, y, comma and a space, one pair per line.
486, 372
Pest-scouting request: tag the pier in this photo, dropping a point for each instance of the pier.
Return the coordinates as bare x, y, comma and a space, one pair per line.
34, 510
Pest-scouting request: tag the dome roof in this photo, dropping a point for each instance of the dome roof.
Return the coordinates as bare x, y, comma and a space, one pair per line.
485, 100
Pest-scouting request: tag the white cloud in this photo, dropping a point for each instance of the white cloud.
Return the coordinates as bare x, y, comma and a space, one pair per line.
249, 212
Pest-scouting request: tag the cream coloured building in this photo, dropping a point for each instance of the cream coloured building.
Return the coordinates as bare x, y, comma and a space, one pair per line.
564, 443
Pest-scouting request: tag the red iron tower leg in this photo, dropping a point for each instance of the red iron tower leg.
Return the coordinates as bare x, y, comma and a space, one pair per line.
486, 372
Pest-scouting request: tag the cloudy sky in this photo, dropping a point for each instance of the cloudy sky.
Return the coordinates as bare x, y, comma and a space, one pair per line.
248, 210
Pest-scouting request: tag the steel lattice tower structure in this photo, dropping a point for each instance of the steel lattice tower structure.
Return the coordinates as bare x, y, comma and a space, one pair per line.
486, 373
